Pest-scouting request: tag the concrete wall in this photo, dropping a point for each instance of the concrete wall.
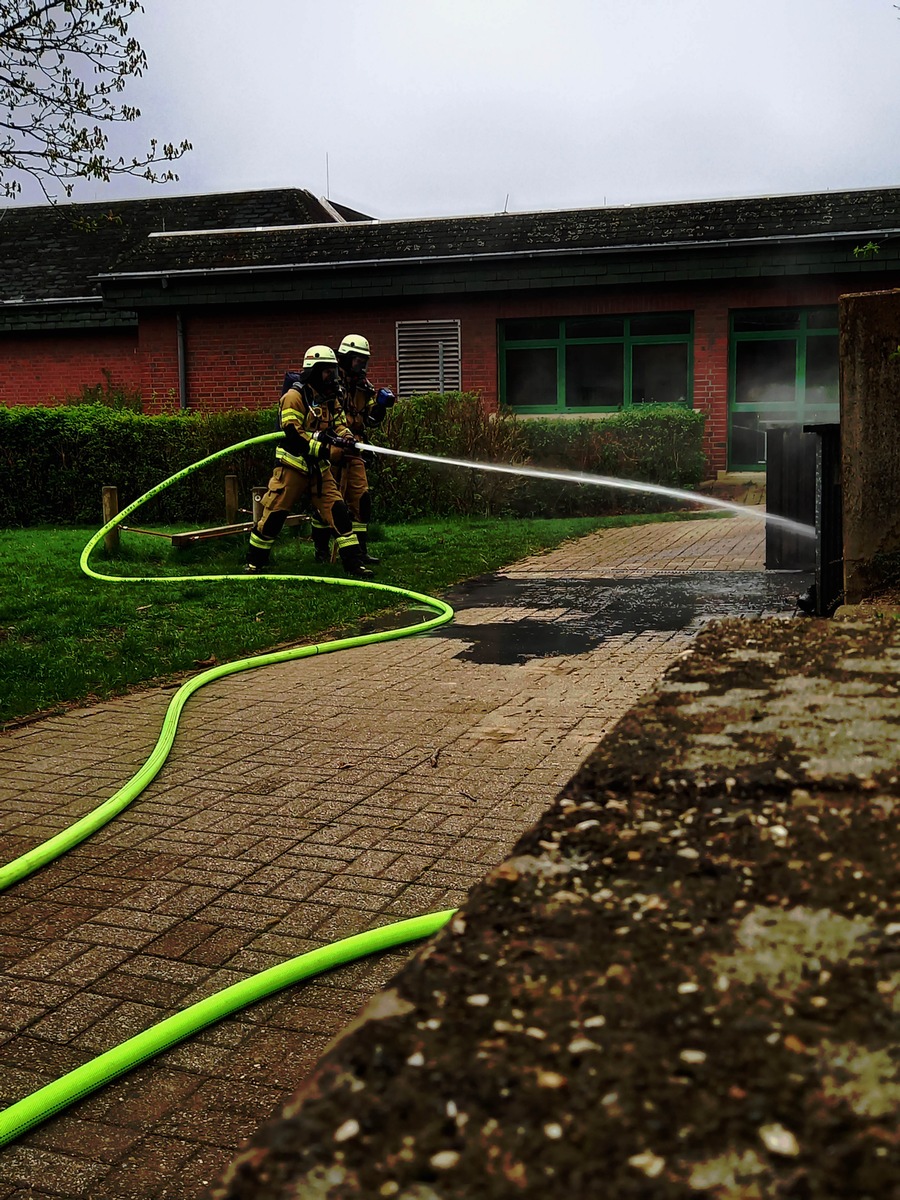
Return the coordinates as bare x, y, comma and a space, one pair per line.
870, 437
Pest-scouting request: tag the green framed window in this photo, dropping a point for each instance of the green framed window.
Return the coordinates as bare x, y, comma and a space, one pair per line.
783, 368
596, 364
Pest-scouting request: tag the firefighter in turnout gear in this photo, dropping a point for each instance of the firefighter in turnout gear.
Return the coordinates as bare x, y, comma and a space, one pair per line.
313, 424
364, 407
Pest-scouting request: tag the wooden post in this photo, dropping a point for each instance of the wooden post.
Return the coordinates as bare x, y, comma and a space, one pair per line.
110, 510
258, 493
231, 499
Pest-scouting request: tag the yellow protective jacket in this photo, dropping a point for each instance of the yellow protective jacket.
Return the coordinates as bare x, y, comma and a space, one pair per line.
360, 410
303, 412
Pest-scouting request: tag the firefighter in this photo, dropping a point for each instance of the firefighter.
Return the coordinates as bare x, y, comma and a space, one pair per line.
313, 424
364, 407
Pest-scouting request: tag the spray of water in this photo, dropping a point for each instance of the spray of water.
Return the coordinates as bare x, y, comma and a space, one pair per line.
624, 485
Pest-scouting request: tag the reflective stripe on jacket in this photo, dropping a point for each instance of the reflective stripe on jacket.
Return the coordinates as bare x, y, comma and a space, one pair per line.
360, 409
306, 411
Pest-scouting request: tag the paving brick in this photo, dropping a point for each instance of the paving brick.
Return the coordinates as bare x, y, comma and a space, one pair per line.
141, 1098
246, 1096
119, 936
70, 1176
15, 1017
67, 1022
194, 1175
124, 1021
92, 1140
40, 1056
196, 1057
144, 1170
235, 858
45, 921
267, 1057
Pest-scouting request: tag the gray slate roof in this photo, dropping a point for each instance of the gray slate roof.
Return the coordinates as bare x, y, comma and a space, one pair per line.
56, 252
857, 214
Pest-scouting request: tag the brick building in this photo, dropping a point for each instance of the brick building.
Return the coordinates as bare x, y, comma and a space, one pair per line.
202, 302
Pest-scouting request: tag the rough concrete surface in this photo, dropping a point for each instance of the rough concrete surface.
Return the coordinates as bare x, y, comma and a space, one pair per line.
870, 474
684, 982
300, 804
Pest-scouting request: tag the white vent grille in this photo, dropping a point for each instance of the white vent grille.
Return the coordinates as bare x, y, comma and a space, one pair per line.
428, 357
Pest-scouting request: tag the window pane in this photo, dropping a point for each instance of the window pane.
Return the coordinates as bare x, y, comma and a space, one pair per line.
766, 319
595, 376
748, 435
660, 323
822, 388
659, 374
595, 327
766, 373
531, 331
822, 318
531, 377
748, 441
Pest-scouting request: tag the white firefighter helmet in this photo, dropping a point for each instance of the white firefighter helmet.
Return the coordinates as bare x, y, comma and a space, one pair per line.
319, 354
354, 343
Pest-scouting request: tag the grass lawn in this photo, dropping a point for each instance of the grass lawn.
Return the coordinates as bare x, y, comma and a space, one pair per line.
65, 637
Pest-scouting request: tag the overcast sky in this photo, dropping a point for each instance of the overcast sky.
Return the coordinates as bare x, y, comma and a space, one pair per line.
441, 107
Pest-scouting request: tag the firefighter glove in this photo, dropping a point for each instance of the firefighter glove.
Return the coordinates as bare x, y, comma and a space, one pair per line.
321, 440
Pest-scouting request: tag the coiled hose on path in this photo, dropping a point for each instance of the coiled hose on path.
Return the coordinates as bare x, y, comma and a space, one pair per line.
46, 1101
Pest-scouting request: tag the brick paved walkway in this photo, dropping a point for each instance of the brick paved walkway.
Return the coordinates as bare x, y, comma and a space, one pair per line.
280, 823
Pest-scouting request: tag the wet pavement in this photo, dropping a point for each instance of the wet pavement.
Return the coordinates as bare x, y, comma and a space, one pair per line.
565, 616
303, 803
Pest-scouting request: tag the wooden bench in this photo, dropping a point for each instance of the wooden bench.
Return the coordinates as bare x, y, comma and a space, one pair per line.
111, 508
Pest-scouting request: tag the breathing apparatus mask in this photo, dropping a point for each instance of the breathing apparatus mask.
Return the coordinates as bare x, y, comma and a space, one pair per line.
354, 366
323, 377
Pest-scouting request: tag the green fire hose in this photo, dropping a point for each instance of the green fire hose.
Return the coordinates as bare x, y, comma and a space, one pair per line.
31, 1110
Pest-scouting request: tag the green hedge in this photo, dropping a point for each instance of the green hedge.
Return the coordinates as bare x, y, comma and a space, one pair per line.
662, 444
54, 461
658, 445
449, 425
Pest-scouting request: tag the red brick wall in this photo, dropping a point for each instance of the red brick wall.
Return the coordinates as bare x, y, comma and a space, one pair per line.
158, 350
40, 368
711, 377
236, 357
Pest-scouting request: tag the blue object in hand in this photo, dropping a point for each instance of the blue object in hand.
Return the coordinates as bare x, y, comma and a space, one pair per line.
386, 397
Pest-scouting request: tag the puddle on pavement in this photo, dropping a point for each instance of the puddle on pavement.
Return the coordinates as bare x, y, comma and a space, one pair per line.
597, 610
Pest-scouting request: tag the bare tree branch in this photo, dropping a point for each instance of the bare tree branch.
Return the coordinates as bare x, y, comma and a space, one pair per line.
62, 65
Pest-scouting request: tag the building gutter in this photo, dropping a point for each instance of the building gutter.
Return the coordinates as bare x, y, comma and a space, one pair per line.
21, 302
183, 402
501, 256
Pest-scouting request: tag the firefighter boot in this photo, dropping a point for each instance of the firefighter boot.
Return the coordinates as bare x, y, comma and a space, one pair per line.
322, 542
352, 559
257, 555
369, 559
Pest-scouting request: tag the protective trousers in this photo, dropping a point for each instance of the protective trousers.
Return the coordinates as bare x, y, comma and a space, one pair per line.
286, 488
355, 489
